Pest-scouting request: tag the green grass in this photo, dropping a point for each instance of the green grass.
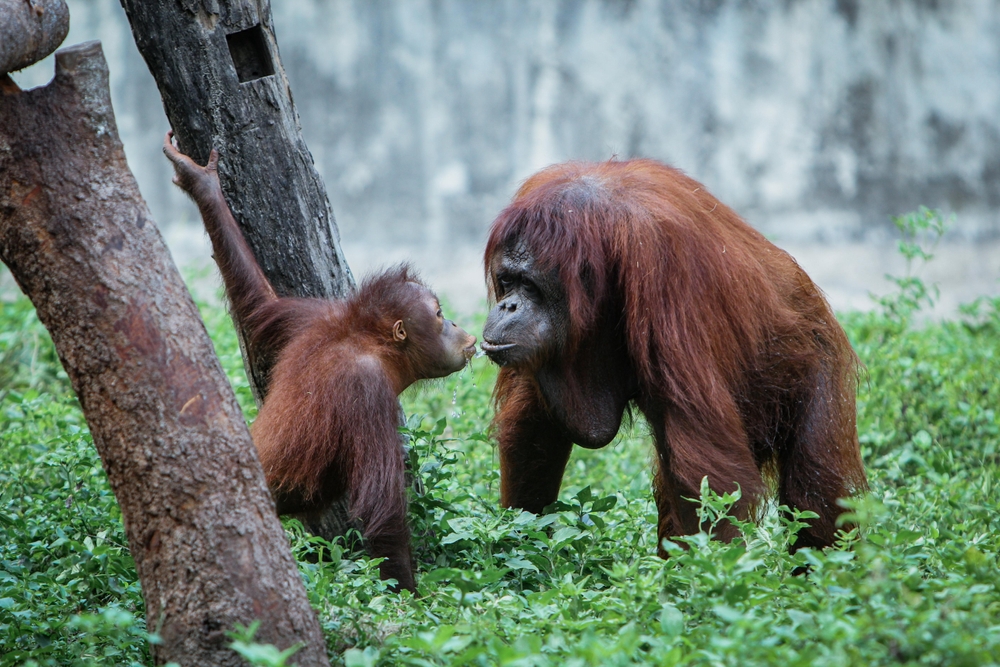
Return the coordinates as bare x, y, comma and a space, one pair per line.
918, 585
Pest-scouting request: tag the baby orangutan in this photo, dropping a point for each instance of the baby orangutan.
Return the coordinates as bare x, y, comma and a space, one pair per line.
328, 425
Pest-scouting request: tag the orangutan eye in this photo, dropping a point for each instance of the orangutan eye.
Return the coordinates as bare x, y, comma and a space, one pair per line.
440, 314
531, 290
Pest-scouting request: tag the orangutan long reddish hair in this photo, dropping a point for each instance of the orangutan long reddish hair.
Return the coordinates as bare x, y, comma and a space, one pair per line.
627, 283
329, 423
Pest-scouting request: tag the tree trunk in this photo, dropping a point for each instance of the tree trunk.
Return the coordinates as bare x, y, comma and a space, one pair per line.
216, 65
80, 242
31, 31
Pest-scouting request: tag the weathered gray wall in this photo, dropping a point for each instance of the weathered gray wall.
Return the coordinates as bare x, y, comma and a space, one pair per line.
812, 118
816, 119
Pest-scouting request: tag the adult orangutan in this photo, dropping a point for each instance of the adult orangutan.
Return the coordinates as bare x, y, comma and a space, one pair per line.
626, 283
328, 427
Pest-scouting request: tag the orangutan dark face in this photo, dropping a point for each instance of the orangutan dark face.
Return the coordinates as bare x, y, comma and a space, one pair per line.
529, 323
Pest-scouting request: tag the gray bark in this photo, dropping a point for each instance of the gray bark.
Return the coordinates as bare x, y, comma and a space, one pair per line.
80, 242
217, 68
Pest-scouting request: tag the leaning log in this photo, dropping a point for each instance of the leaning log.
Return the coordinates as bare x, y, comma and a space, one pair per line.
79, 240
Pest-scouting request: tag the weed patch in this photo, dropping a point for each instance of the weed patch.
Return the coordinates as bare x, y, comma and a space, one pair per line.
916, 583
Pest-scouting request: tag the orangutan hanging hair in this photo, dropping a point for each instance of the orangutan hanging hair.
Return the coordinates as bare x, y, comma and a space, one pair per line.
626, 284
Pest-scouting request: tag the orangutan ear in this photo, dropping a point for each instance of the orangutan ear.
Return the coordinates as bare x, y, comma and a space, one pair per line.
398, 332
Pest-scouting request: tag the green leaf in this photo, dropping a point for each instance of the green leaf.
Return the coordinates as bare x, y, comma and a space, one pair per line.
604, 504
357, 658
558, 506
519, 563
727, 613
671, 621
564, 534
799, 617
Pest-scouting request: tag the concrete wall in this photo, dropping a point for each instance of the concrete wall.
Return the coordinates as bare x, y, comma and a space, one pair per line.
816, 119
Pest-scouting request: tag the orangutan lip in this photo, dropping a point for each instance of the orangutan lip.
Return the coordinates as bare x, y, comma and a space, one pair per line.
496, 347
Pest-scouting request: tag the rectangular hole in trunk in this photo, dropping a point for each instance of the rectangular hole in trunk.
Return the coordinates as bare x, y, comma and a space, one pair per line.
251, 56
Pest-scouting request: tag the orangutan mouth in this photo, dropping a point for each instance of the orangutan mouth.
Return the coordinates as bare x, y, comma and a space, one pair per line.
489, 347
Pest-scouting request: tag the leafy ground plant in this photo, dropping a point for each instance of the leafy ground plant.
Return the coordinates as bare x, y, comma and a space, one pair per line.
916, 584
